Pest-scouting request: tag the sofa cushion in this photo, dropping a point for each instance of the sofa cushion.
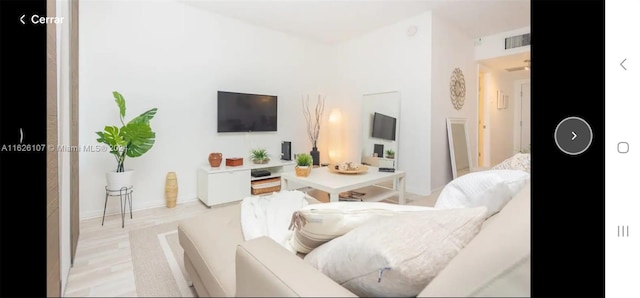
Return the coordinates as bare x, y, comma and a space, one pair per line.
398, 255
264, 269
209, 241
492, 189
497, 262
319, 223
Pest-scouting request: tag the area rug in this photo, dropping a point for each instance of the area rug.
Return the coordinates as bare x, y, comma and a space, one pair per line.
158, 264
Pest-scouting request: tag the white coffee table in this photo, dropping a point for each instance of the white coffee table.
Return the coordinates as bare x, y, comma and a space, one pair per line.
335, 183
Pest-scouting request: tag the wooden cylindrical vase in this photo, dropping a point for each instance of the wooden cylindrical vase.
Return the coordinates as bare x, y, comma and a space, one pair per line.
171, 189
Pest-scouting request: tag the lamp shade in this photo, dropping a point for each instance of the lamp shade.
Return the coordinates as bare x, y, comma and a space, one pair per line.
336, 136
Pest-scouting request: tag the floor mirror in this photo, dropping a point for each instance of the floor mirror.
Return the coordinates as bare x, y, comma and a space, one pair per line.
459, 149
380, 129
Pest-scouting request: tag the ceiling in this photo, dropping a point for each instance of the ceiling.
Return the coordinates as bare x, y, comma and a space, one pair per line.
333, 22
510, 61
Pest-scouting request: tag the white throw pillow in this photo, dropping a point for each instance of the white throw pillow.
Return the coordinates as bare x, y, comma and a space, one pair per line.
318, 223
397, 256
519, 161
492, 189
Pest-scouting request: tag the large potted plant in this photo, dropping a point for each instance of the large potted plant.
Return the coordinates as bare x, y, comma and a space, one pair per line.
133, 139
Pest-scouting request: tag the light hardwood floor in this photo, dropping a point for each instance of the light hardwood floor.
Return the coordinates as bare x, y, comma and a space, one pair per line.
103, 265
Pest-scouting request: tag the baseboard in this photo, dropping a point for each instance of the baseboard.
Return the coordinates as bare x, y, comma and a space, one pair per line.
98, 213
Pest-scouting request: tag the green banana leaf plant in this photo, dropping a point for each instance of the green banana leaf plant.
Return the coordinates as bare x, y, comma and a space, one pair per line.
132, 139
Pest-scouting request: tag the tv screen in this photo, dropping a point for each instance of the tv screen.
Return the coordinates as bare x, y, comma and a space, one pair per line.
241, 112
384, 127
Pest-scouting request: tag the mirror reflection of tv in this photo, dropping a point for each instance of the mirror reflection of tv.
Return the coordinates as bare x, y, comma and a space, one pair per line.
242, 112
384, 127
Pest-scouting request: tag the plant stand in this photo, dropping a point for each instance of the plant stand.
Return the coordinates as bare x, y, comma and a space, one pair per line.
125, 193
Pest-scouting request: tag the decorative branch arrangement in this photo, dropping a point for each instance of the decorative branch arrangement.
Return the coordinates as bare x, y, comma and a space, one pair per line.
313, 124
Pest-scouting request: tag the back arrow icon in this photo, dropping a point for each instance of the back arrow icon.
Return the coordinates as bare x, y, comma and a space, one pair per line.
22, 20
574, 135
625, 59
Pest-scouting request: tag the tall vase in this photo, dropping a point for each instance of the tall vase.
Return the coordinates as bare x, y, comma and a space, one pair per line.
171, 189
315, 154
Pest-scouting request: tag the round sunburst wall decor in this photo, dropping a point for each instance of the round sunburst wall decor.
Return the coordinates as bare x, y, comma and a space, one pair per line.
457, 88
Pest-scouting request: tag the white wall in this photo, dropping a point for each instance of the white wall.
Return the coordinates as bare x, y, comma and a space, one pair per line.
64, 135
451, 49
501, 122
493, 45
388, 60
176, 57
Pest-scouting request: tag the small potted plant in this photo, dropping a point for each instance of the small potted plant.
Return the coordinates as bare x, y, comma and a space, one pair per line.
259, 156
304, 162
390, 154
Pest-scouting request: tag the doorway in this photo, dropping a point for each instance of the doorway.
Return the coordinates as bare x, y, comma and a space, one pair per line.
484, 148
481, 125
525, 116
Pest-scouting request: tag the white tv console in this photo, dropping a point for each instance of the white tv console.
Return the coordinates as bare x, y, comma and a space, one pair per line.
228, 184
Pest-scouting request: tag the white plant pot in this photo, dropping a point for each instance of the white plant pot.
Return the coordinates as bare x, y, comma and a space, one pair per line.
115, 180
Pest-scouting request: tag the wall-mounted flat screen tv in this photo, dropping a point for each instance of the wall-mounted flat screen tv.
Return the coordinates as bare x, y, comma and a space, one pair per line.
384, 127
242, 112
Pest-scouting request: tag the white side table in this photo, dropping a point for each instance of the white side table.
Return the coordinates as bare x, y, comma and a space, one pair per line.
125, 193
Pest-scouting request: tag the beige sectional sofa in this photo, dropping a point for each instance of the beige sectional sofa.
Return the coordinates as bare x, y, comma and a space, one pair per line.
220, 263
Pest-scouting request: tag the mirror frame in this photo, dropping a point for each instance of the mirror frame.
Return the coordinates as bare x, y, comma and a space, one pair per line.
450, 120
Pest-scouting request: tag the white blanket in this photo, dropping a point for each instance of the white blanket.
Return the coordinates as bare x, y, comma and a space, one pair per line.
270, 215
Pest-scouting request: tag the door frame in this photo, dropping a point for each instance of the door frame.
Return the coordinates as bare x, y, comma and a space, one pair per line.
67, 45
53, 281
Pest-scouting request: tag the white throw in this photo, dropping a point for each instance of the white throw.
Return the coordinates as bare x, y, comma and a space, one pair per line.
270, 215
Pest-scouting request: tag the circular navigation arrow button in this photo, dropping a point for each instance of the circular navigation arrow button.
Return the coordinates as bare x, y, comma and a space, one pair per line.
573, 135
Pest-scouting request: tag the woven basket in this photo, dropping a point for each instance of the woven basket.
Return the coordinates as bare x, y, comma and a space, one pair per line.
259, 191
302, 172
256, 190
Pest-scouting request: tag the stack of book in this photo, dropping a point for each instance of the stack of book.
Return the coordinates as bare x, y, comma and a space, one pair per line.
351, 196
